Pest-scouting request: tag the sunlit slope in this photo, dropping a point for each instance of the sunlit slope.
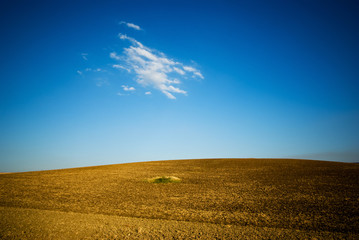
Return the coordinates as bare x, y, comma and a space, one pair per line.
275, 193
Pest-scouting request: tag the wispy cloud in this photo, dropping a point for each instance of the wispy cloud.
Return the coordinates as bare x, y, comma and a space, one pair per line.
152, 68
84, 56
93, 70
131, 25
101, 81
194, 71
118, 66
114, 56
127, 88
180, 71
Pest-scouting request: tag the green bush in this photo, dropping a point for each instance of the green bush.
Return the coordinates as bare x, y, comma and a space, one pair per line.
164, 179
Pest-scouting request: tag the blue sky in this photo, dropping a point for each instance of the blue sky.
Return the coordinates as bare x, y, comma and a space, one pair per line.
99, 82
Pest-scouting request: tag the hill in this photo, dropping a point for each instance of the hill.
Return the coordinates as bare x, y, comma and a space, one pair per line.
216, 198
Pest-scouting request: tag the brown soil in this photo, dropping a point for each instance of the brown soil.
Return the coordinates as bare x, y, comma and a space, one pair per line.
216, 198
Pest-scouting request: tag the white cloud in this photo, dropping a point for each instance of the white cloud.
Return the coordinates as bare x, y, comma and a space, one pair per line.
101, 81
118, 66
189, 69
132, 40
180, 71
199, 74
115, 56
194, 71
131, 25
176, 81
93, 70
152, 68
127, 88
84, 56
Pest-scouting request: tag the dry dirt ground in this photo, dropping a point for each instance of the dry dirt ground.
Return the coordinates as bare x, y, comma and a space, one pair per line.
215, 199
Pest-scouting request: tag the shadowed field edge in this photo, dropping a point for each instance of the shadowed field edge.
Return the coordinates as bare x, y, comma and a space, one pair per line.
19, 223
